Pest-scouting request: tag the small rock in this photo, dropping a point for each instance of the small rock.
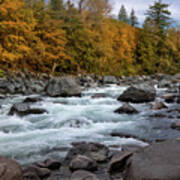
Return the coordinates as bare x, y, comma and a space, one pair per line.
83, 175
158, 106
126, 108
83, 163
176, 125
169, 98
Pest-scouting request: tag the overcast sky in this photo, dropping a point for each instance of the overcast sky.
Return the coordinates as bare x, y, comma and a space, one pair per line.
140, 6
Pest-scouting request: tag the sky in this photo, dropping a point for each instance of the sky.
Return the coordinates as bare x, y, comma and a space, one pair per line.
140, 6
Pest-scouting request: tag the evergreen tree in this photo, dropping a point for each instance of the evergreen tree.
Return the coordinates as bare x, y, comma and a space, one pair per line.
58, 9
159, 15
123, 15
56, 5
133, 19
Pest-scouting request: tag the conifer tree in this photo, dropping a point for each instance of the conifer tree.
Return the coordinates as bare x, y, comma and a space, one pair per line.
123, 15
159, 15
133, 19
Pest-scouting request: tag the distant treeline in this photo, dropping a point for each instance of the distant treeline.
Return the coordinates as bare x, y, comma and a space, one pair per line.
58, 37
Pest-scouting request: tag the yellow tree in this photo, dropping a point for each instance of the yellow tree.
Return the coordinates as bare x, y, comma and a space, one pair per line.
19, 47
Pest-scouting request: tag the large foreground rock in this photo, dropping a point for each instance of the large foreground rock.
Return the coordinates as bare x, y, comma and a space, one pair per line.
159, 161
138, 94
9, 169
63, 87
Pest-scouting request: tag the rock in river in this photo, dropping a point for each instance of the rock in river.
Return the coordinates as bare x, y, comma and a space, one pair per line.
126, 108
63, 87
138, 94
23, 109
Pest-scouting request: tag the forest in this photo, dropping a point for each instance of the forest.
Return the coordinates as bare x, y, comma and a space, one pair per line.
63, 37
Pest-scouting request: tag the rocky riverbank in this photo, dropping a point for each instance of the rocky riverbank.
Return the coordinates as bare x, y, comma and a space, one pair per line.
95, 161
158, 160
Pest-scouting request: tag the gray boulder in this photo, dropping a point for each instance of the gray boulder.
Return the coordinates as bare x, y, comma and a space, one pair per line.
6, 87
23, 109
109, 80
138, 94
160, 161
83, 163
95, 151
63, 87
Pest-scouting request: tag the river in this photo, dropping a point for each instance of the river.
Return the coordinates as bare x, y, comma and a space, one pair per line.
36, 137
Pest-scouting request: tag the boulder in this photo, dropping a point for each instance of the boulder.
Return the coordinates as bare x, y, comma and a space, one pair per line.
9, 169
36, 172
6, 87
63, 87
83, 175
82, 163
109, 80
118, 162
159, 161
158, 106
176, 125
138, 94
52, 164
126, 108
95, 151
23, 109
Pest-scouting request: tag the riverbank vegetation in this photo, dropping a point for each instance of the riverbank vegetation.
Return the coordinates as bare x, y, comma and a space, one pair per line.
62, 37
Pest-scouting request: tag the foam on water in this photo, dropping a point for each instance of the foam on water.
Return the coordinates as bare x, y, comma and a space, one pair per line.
68, 120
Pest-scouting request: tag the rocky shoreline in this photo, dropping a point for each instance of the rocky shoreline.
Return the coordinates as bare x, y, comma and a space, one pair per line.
95, 161
85, 161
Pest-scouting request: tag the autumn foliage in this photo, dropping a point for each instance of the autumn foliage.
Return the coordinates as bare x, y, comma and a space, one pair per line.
40, 38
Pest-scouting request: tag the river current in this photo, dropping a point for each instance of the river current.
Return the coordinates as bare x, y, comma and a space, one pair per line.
37, 137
